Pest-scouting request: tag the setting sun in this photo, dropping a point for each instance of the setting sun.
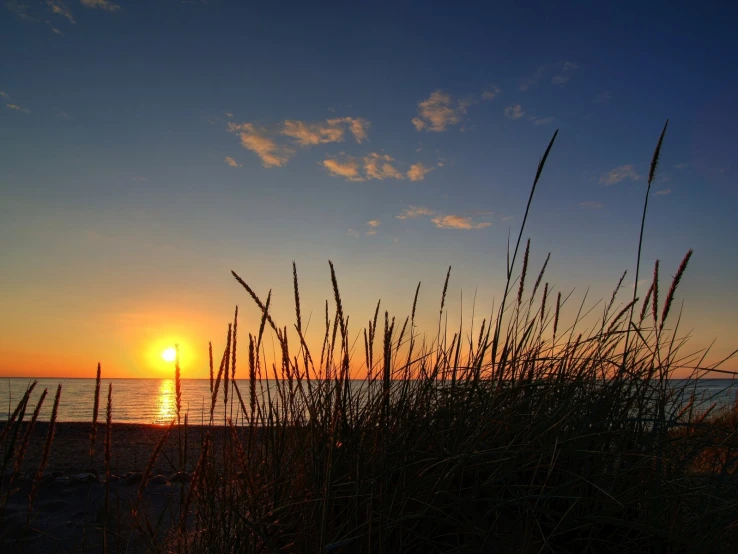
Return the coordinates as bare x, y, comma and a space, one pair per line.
169, 355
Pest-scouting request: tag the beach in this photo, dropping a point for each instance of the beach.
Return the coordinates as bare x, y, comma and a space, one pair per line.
131, 447
69, 506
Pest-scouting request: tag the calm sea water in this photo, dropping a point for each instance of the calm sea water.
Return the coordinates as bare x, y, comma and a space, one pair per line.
153, 400
134, 400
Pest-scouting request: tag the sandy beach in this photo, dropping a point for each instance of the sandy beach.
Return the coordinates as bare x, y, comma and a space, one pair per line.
131, 447
69, 507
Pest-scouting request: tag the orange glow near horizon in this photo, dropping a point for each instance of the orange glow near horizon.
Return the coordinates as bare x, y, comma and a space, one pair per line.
143, 347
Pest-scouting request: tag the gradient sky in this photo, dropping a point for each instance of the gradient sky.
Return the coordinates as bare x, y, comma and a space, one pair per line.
147, 148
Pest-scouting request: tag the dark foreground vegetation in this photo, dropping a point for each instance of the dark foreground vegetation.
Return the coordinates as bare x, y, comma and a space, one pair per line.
520, 436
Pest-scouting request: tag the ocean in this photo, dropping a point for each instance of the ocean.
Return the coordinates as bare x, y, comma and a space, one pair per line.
153, 400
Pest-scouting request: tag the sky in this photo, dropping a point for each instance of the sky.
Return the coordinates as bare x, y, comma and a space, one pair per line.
148, 148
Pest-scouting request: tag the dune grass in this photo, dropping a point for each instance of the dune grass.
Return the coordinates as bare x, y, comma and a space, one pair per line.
521, 436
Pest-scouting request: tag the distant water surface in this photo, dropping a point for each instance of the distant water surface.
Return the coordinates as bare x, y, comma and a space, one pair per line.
134, 400
153, 400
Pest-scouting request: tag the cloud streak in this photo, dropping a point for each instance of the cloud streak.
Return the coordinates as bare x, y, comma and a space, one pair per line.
332, 130
491, 93
415, 211
458, 222
444, 221
379, 166
418, 171
20, 10
17, 108
514, 111
258, 141
59, 8
439, 111
272, 144
233, 163
564, 74
542, 120
618, 174
372, 166
100, 4
559, 74
349, 169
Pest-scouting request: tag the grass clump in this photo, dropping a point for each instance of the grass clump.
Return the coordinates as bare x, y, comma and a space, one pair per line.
523, 437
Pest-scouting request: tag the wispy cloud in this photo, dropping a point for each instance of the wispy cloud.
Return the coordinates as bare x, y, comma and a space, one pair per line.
514, 112
542, 120
448, 221
272, 143
379, 166
418, 171
233, 163
618, 174
348, 169
353, 233
20, 10
415, 211
374, 223
564, 74
258, 141
332, 130
591, 204
311, 134
603, 97
559, 73
17, 108
61, 113
59, 8
458, 222
357, 126
3, 94
662, 192
101, 4
439, 111
371, 232
534, 79
372, 166
490, 93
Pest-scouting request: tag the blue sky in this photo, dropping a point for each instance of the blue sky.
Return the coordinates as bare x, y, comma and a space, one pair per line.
148, 148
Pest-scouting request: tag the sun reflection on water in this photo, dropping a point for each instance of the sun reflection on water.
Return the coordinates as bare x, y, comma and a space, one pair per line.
166, 410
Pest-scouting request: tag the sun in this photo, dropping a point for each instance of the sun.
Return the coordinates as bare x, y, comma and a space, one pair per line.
169, 355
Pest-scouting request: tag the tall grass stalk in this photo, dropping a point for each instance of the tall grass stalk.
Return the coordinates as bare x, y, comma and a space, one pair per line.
651, 175
95, 409
45, 454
